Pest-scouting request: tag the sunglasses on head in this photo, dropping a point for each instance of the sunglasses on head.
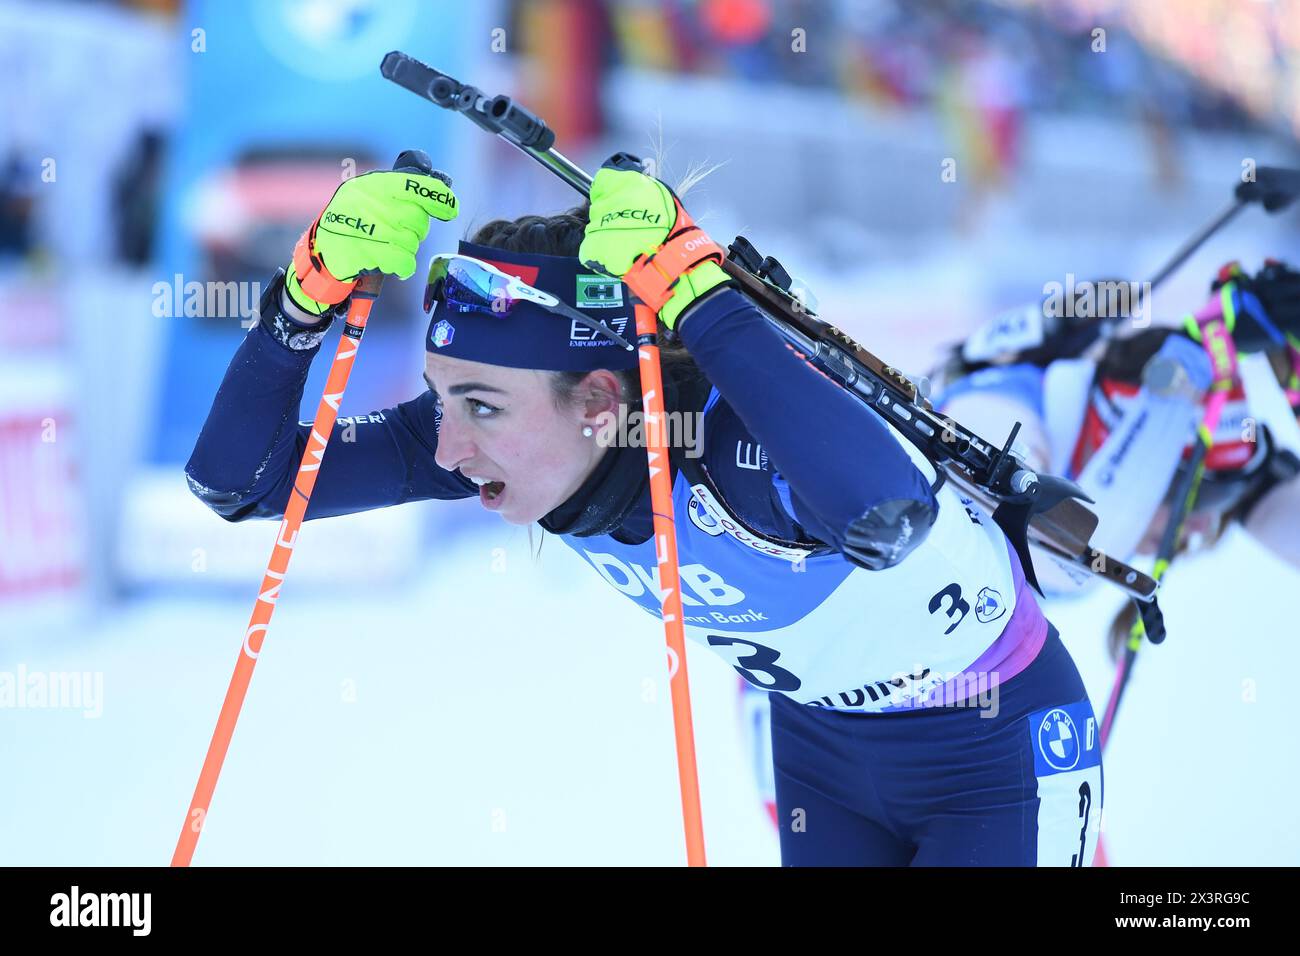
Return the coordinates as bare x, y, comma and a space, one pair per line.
466, 284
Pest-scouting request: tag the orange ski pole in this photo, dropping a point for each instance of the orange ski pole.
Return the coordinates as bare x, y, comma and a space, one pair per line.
661, 501
363, 297
529, 133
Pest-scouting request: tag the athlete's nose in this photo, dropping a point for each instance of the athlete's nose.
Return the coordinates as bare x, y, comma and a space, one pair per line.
454, 445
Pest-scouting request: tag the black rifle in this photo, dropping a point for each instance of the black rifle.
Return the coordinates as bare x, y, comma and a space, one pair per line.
1029, 506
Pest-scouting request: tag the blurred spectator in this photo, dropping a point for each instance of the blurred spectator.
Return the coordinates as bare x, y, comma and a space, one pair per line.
1038, 54
17, 201
135, 194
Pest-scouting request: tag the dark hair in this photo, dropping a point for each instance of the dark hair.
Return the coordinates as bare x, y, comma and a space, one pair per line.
561, 235
1126, 357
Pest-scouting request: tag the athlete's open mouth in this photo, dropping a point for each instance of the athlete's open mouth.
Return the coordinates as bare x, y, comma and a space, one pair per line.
488, 489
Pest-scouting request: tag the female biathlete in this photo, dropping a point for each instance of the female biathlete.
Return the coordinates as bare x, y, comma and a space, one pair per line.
1119, 415
924, 712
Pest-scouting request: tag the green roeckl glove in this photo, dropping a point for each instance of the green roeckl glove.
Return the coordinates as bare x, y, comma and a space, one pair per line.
375, 221
639, 232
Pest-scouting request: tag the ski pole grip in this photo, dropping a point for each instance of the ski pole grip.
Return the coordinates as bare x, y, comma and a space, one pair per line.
1273, 187
417, 161
1153, 620
408, 161
625, 161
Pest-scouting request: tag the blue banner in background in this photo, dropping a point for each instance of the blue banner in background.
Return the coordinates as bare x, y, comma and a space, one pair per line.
284, 101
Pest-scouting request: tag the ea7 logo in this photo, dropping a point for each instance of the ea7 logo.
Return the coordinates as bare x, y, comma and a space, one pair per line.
581, 333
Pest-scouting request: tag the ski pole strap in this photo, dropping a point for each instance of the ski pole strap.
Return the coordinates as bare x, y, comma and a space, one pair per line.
1223, 358
653, 278
1212, 327
316, 281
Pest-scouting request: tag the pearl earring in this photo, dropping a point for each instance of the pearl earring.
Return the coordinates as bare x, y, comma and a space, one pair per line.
586, 431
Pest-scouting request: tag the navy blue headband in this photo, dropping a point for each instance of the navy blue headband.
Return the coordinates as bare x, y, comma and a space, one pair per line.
530, 336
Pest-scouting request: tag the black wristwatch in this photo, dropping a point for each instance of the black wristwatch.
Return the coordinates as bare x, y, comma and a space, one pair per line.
290, 334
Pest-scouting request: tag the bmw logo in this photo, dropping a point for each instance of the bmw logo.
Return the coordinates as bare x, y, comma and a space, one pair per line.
1058, 740
989, 606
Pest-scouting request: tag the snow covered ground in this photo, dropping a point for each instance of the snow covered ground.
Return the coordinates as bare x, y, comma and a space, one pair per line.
517, 715
505, 711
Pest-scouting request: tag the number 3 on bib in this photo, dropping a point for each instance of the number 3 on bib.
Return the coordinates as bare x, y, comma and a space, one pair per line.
758, 665
958, 606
